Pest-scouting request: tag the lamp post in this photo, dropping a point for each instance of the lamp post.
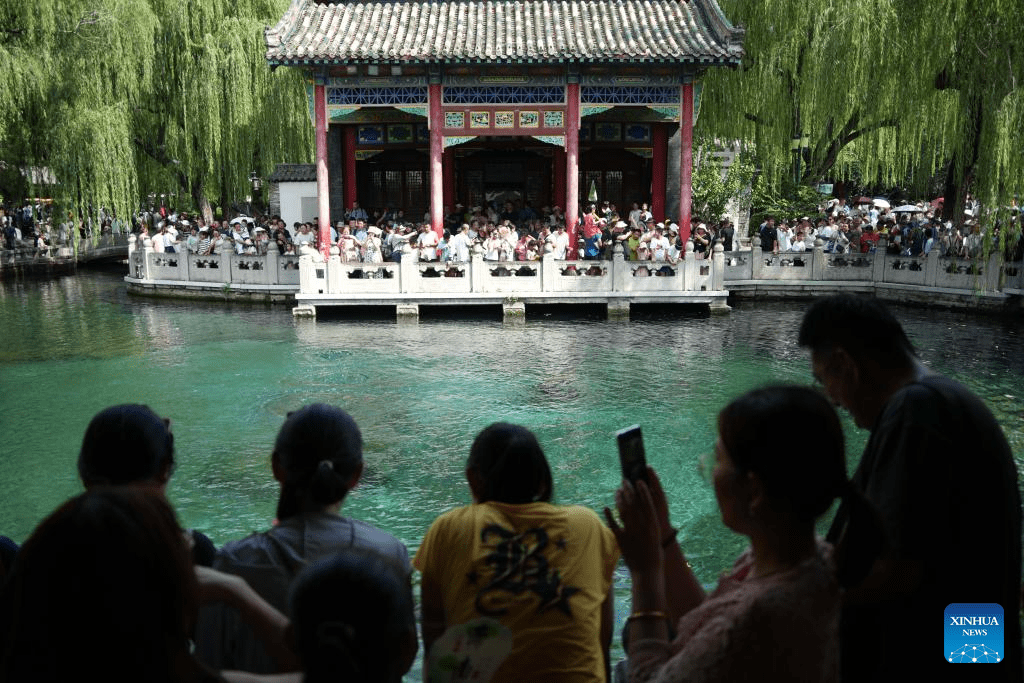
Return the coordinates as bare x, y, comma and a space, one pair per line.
257, 184
799, 144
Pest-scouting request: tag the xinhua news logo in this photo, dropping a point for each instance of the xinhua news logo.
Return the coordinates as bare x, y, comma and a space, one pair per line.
973, 633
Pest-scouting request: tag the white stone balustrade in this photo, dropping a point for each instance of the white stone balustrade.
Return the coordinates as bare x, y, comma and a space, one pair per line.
477, 276
971, 275
312, 275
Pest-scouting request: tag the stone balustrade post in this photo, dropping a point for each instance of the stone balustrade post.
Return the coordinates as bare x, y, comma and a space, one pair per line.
477, 269
878, 265
273, 263
549, 271
689, 268
620, 270
225, 254
307, 271
931, 267
992, 271
184, 263
818, 260
718, 267
756, 258
337, 277
147, 251
408, 270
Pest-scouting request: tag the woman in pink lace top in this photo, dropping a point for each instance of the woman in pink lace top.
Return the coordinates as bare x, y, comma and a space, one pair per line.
775, 616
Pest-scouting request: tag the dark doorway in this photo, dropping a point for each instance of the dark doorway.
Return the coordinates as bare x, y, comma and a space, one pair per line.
396, 180
619, 176
500, 176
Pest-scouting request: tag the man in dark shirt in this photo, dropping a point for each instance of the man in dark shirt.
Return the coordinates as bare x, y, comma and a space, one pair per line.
940, 473
726, 232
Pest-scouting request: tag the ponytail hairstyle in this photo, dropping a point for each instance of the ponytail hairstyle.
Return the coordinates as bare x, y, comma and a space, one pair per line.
353, 620
806, 474
511, 465
318, 449
125, 444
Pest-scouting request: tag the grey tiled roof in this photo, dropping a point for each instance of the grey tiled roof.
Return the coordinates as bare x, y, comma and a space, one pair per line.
293, 173
504, 31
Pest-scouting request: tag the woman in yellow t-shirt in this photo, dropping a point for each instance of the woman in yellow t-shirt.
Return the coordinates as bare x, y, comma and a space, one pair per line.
543, 571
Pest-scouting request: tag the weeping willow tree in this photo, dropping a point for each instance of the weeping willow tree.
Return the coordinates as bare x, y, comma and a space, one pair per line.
896, 88
120, 98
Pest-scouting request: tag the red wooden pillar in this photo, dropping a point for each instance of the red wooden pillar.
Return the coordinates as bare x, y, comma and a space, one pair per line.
349, 160
685, 159
572, 161
436, 121
323, 198
448, 169
558, 198
659, 170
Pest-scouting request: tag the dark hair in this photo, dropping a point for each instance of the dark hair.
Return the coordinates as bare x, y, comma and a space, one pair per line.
319, 448
861, 325
103, 589
511, 464
351, 613
125, 444
806, 474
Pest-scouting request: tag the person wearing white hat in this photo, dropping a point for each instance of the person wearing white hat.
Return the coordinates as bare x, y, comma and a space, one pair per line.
701, 241
372, 247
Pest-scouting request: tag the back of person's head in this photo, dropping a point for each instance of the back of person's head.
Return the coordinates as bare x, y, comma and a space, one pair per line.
861, 325
318, 450
103, 589
126, 444
353, 620
510, 465
802, 475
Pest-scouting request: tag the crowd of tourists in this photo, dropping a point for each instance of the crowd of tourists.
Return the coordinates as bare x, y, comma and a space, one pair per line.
518, 232
517, 588
512, 234
914, 230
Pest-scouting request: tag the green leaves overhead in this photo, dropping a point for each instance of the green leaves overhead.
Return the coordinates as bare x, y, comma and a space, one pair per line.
892, 88
123, 97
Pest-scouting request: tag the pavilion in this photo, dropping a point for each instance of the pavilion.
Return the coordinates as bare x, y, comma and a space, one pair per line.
424, 103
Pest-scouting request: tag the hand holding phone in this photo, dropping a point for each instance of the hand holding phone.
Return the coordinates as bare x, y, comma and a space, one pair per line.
631, 454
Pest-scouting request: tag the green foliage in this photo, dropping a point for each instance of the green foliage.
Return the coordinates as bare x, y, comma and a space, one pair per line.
783, 201
713, 189
890, 89
120, 98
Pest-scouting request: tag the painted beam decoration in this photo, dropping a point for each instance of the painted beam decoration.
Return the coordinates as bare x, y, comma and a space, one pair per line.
503, 105
393, 110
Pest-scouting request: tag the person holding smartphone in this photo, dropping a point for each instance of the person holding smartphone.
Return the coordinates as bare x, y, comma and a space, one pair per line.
777, 610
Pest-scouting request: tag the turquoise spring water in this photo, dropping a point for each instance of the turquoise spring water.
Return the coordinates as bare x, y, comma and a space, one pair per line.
227, 375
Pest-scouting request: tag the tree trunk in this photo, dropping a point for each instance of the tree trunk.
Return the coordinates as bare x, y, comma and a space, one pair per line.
960, 172
202, 202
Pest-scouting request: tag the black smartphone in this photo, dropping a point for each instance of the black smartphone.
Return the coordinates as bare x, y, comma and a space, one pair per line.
631, 453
